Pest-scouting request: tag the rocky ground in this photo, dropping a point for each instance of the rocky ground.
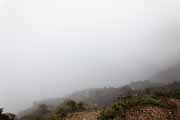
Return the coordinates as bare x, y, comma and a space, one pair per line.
155, 113
148, 113
138, 113
92, 115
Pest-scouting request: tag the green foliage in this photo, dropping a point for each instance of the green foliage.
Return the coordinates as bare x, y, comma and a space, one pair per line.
43, 112
69, 106
81, 106
107, 114
171, 91
43, 109
119, 108
168, 93
127, 98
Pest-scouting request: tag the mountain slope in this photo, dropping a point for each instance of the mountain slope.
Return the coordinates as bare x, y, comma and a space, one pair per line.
167, 76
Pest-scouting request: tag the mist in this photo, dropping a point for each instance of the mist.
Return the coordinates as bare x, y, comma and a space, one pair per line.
51, 48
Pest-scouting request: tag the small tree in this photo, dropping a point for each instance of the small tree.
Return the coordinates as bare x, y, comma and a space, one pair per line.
43, 109
72, 105
80, 106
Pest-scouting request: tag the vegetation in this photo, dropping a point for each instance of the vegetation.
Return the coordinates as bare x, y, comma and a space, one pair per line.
124, 99
43, 112
154, 96
119, 108
69, 106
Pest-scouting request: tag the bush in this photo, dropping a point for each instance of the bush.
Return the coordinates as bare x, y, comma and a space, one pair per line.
119, 108
107, 114
69, 106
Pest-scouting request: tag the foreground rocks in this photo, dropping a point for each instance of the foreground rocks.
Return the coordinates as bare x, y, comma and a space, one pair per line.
136, 113
149, 113
83, 116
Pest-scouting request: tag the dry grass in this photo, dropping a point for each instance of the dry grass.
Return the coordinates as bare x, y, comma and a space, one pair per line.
136, 113
83, 116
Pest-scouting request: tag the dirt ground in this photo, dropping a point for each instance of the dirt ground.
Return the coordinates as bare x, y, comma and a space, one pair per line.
83, 116
144, 113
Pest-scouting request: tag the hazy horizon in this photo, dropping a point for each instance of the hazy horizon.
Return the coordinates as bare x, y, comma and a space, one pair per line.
50, 48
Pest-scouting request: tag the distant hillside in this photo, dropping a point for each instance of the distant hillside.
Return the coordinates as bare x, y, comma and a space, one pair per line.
163, 77
167, 76
151, 102
100, 97
96, 97
140, 85
103, 97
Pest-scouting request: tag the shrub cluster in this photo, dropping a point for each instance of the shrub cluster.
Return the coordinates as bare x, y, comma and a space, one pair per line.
69, 106
43, 112
119, 108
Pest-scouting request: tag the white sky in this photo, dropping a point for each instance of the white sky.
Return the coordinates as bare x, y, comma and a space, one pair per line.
49, 48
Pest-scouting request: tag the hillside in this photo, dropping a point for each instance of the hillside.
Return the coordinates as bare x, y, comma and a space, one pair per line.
161, 84
168, 75
105, 96
97, 97
101, 97
154, 102
92, 115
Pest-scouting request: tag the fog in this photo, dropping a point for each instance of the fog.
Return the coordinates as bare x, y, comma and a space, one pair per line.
50, 48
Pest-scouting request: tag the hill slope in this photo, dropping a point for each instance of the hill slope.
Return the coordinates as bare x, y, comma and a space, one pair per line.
167, 76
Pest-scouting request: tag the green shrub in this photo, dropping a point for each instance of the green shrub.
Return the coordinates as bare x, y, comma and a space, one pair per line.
119, 108
69, 106
107, 114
